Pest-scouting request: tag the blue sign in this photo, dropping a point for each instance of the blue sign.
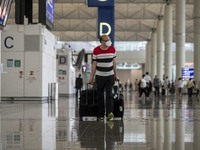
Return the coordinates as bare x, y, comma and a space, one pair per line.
106, 17
5, 6
50, 10
187, 73
106, 22
100, 3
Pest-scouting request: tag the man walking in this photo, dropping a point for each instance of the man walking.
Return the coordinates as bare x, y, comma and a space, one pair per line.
104, 66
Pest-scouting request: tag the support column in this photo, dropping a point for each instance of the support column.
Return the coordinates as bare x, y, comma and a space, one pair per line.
148, 127
180, 130
19, 11
160, 134
196, 41
153, 144
180, 37
153, 53
160, 48
1, 68
167, 130
168, 40
148, 57
196, 125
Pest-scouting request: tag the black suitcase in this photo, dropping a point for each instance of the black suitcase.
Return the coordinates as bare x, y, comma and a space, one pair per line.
88, 102
163, 92
118, 109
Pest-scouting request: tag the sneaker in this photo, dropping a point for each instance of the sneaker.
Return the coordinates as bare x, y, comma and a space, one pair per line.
110, 116
110, 124
101, 119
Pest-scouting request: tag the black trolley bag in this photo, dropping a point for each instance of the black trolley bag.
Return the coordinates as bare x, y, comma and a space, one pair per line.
88, 102
118, 109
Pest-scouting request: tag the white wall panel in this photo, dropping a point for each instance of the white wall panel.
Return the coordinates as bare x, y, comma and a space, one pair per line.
13, 80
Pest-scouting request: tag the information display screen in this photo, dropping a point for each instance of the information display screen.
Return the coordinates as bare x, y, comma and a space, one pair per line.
50, 10
187, 72
5, 6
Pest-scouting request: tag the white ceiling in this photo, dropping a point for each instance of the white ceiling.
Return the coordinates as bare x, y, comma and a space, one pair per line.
134, 19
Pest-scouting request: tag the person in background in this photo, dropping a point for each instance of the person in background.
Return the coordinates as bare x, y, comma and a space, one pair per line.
130, 87
104, 67
136, 85
78, 85
142, 85
172, 87
190, 86
167, 86
180, 86
156, 84
149, 84
126, 86
196, 89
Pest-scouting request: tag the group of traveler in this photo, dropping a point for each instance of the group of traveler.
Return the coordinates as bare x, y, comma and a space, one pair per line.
146, 86
165, 87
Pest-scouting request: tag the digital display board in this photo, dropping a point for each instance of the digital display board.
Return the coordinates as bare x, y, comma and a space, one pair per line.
187, 72
5, 6
97, 3
50, 10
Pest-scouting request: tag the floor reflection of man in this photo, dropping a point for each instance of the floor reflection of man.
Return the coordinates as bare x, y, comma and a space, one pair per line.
100, 135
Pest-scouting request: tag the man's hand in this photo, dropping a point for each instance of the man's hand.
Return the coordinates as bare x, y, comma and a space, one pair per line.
91, 80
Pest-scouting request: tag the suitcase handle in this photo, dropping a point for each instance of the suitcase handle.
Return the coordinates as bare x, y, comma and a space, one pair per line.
92, 83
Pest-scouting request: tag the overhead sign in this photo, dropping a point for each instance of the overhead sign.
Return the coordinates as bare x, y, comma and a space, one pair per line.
98, 3
187, 72
50, 10
106, 17
106, 22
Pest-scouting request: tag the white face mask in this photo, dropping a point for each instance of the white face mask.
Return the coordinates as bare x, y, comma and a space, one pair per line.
109, 43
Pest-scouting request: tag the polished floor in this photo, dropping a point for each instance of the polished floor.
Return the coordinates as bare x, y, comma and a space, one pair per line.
165, 123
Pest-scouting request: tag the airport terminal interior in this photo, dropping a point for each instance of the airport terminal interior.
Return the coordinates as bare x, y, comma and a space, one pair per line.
45, 45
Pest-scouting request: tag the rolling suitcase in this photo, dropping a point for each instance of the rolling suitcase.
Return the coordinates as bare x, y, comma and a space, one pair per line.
118, 109
88, 102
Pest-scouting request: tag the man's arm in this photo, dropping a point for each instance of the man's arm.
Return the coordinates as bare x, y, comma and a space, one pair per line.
93, 71
115, 69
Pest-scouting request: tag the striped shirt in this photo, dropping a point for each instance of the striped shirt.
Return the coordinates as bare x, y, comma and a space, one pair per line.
104, 60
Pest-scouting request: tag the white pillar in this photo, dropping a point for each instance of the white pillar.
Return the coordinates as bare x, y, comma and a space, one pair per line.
196, 125
1, 66
160, 48
168, 36
160, 128
148, 57
180, 37
153, 53
148, 127
153, 130
196, 41
167, 130
180, 130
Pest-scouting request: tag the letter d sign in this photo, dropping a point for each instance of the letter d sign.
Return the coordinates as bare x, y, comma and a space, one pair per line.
105, 25
106, 22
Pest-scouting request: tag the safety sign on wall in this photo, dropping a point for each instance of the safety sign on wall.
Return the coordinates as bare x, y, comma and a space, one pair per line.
13, 63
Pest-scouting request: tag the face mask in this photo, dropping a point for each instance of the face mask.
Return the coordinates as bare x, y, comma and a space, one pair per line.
109, 43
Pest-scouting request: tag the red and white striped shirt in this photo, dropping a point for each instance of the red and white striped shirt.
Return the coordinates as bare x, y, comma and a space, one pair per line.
104, 60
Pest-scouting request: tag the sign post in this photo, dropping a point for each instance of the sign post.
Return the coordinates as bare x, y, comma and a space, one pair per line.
106, 17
